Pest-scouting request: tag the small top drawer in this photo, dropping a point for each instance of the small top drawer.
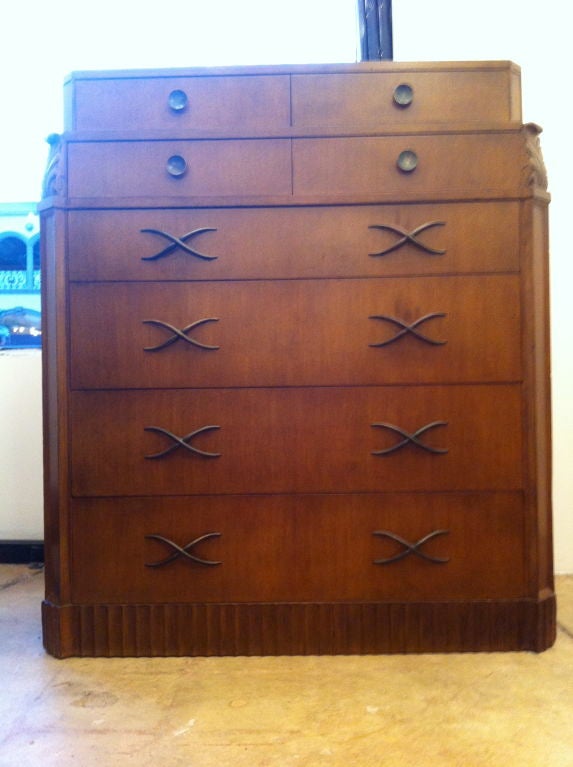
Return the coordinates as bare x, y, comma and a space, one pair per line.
440, 166
371, 100
179, 168
179, 104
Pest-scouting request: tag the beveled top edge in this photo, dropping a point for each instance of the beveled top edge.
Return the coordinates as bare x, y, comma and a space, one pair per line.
290, 201
288, 69
295, 132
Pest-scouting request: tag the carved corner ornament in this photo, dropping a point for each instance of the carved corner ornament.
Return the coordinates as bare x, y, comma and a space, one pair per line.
535, 172
52, 183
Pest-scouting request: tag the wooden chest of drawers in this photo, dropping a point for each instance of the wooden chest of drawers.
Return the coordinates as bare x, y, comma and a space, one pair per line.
296, 363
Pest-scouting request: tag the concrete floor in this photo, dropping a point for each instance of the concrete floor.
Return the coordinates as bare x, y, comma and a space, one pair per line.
501, 709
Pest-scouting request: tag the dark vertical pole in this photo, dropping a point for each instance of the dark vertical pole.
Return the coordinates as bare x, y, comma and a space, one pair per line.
375, 23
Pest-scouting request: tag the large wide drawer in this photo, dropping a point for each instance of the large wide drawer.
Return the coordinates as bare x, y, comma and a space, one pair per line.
179, 168
371, 240
375, 100
295, 332
282, 440
393, 547
236, 104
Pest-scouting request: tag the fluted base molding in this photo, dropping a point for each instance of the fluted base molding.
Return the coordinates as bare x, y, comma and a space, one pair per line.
297, 629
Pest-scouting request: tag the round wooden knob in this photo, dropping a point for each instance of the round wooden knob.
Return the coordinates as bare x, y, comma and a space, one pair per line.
177, 101
407, 161
403, 95
176, 166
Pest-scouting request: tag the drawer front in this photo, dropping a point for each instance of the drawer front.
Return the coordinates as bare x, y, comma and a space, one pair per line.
182, 104
213, 244
176, 168
295, 332
404, 547
221, 441
439, 166
256, 102
369, 100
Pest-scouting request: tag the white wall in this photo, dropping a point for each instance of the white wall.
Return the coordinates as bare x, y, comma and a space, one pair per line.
21, 516
536, 35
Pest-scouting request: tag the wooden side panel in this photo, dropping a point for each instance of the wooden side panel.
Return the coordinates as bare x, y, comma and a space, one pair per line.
537, 400
55, 412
